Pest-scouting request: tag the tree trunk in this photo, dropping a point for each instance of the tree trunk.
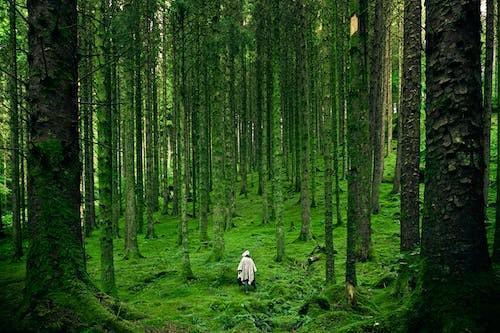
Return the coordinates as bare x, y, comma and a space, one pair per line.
488, 92
14, 138
304, 109
138, 117
453, 237
496, 241
379, 88
358, 139
105, 154
410, 126
55, 257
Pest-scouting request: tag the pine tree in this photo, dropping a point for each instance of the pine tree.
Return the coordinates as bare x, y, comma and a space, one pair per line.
358, 139
304, 120
410, 127
453, 235
105, 152
14, 136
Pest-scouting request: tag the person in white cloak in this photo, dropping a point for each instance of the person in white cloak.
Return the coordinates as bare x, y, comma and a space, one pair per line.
246, 271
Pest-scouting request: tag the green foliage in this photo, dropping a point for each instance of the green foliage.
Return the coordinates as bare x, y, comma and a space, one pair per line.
290, 295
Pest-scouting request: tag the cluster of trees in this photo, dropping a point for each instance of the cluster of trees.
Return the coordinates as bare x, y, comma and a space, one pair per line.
181, 103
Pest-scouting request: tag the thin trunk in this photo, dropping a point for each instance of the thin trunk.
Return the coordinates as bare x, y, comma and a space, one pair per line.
17, 237
358, 139
410, 127
488, 92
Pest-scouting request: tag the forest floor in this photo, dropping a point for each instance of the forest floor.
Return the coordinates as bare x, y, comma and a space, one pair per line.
291, 296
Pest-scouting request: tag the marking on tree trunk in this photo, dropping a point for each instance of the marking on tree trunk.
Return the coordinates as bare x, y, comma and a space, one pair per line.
354, 24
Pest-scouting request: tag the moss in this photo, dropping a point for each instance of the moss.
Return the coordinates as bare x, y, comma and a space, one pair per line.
214, 302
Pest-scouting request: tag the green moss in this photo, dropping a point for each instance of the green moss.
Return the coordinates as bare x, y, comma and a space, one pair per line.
153, 286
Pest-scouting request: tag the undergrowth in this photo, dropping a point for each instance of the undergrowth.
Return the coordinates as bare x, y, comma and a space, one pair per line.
291, 296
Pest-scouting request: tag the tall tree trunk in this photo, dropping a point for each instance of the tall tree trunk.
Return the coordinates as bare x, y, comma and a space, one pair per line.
55, 257
378, 87
149, 126
86, 78
304, 109
488, 93
105, 154
115, 133
453, 237
358, 139
218, 142
138, 117
410, 126
496, 241
328, 90
14, 138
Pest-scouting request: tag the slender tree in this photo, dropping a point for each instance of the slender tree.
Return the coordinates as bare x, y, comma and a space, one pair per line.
304, 106
14, 137
104, 113
496, 242
410, 126
358, 139
138, 49
488, 93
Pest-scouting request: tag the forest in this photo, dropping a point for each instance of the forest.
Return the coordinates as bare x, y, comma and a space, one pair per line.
153, 153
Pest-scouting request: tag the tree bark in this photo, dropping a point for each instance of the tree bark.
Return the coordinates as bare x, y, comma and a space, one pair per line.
14, 138
105, 152
358, 139
488, 93
410, 126
454, 237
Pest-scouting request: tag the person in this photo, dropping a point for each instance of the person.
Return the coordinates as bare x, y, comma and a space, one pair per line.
246, 271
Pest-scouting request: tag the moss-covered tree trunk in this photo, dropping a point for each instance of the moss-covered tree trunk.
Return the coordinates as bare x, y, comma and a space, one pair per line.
358, 140
14, 136
203, 137
139, 115
378, 92
131, 221
304, 109
453, 235
55, 257
104, 154
496, 241
488, 93
327, 96
217, 138
410, 126
87, 99
149, 123
115, 125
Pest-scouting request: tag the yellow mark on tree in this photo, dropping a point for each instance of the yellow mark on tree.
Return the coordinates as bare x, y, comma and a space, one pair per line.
354, 24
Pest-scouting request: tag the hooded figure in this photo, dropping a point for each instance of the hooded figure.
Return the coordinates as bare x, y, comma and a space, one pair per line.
246, 270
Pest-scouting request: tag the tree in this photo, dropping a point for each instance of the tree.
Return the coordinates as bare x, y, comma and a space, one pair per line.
453, 237
87, 98
488, 92
358, 139
328, 100
14, 137
410, 126
55, 267
496, 242
149, 124
105, 152
138, 116
378, 97
131, 220
218, 138
304, 109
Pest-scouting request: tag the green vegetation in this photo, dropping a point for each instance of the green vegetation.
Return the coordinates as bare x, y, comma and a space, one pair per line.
290, 295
